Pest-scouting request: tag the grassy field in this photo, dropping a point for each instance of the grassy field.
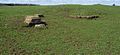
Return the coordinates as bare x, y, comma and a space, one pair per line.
65, 36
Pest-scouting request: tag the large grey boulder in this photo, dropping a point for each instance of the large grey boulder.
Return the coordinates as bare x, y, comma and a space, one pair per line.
35, 20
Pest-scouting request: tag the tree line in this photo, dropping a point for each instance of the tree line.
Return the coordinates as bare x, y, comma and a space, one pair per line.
12, 4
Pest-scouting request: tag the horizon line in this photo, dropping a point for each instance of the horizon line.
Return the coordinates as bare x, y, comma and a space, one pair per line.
58, 3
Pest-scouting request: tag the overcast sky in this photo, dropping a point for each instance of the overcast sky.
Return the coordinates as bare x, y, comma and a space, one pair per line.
44, 2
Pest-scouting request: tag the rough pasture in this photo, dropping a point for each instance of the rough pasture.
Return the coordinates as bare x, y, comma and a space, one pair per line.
65, 36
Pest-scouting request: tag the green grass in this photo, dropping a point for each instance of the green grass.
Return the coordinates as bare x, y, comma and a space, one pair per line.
65, 36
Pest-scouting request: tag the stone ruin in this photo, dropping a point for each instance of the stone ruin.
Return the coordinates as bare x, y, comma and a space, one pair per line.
85, 17
35, 21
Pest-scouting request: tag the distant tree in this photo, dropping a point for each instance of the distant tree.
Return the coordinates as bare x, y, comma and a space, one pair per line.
113, 4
